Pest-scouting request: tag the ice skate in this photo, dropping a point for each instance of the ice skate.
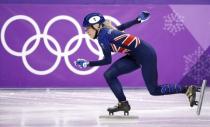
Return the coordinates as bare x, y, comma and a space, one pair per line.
121, 106
191, 94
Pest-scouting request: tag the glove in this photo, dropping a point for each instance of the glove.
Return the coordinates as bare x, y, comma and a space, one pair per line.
143, 16
82, 63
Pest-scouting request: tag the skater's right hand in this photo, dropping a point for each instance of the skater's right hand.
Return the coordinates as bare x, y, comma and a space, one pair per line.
143, 16
81, 63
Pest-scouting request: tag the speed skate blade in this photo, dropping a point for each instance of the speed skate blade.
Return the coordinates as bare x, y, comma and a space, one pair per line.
200, 101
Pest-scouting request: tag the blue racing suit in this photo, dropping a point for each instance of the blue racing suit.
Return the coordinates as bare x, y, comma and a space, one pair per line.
138, 54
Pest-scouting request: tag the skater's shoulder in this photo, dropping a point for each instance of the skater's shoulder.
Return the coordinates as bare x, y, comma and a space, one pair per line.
104, 33
109, 33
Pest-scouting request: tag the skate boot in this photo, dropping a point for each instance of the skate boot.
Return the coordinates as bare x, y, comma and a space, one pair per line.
191, 94
121, 106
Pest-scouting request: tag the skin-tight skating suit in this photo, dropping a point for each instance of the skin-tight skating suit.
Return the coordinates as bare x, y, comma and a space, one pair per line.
138, 54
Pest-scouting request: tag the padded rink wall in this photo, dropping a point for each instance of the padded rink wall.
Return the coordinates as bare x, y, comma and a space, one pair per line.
41, 40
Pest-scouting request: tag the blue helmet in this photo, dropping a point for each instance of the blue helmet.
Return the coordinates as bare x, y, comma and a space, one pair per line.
93, 18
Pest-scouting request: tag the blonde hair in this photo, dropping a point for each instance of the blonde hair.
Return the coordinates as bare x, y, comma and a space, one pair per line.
108, 24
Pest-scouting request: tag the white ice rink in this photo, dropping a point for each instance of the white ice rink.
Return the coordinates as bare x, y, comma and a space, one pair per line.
82, 108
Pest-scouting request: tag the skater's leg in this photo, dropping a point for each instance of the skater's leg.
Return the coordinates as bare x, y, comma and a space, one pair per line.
122, 66
150, 75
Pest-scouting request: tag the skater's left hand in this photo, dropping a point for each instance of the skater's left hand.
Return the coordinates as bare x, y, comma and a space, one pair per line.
82, 63
143, 16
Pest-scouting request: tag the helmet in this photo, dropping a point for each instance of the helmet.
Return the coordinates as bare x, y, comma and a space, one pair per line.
93, 18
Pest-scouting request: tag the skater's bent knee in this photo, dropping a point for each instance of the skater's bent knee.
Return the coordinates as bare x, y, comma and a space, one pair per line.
155, 92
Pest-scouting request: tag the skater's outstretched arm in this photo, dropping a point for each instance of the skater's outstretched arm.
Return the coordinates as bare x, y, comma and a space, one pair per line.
107, 59
126, 25
143, 16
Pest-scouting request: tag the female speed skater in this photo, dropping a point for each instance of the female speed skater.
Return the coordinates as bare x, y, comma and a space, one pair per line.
138, 54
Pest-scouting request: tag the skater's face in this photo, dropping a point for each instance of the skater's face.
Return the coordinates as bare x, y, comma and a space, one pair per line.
90, 31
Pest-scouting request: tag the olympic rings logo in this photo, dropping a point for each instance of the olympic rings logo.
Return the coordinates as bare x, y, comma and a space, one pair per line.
46, 38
